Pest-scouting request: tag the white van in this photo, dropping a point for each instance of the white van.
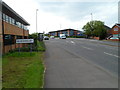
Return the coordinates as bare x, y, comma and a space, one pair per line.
62, 36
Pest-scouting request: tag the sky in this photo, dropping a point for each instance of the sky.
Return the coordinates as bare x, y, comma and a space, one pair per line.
55, 15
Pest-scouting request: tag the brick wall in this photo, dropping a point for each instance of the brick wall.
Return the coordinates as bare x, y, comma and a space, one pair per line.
75, 33
97, 38
68, 32
113, 39
26, 32
13, 30
114, 32
7, 48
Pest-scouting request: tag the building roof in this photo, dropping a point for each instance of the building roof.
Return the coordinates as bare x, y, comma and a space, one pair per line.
10, 12
63, 30
116, 25
108, 28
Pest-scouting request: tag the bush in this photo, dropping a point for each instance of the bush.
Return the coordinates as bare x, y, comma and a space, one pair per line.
39, 47
75, 36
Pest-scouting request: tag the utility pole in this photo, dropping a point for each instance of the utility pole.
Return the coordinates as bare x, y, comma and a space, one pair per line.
91, 17
60, 26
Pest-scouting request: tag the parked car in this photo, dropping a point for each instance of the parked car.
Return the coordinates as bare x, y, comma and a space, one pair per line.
114, 38
46, 38
109, 37
52, 37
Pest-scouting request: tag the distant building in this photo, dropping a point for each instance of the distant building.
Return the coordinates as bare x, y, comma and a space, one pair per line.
108, 29
67, 32
13, 27
115, 31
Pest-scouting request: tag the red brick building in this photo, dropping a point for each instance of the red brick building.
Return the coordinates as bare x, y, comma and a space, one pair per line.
13, 27
115, 32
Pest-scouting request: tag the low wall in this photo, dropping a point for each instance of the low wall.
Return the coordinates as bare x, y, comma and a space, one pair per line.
113, 39
7, 48
97, 38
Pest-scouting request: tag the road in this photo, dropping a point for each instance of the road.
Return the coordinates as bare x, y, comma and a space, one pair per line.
81, 63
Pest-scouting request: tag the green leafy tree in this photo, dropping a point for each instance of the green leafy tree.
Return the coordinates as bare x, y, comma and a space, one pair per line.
34, 36
95, 28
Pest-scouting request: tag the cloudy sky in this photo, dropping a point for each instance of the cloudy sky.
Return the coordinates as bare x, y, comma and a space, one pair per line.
63, 14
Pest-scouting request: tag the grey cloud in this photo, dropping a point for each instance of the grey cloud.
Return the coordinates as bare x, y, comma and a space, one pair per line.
73, 11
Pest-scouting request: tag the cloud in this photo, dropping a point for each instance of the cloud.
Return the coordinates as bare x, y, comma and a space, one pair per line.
77, 10
65, 14
26, 9
76, 0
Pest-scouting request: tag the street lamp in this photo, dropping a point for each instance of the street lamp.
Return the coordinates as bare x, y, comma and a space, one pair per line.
36, 28
36, 20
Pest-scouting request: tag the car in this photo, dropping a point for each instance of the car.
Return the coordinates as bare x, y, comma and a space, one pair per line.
52, 37
46, 38
109, 37
114, 38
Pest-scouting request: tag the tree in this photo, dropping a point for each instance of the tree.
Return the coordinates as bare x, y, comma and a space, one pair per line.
34, 36
95, 28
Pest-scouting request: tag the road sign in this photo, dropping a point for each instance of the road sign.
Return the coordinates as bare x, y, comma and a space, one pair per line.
24, 40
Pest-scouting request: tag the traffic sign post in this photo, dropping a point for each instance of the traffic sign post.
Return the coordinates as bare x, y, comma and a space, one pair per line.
21, 41
24, 40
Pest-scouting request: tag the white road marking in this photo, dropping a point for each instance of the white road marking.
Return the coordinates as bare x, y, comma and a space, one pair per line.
87, 48
93, 40
73, 42
111, 55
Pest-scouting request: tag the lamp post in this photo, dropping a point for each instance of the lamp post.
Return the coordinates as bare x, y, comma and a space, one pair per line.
36, 20
36, 28
60, 26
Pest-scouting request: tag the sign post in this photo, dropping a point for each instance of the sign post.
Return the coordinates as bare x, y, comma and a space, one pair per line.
19, 47
30, 41
24, 40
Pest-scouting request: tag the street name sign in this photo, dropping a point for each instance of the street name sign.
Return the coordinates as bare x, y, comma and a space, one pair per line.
24, 40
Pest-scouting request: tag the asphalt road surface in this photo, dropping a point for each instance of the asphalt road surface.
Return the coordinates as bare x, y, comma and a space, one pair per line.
81, 63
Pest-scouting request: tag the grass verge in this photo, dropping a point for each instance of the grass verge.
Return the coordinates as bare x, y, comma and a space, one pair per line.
23, 70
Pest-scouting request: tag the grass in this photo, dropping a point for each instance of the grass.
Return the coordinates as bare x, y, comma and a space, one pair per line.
23, 70
41, 46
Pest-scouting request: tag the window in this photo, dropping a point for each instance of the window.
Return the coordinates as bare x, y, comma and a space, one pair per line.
115, 35
0, 15
3, 17
71, 32
116, 29
10, 21
13, 21
6, 17
25, 27
9, 39
19, 37
22, 26
17, 24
